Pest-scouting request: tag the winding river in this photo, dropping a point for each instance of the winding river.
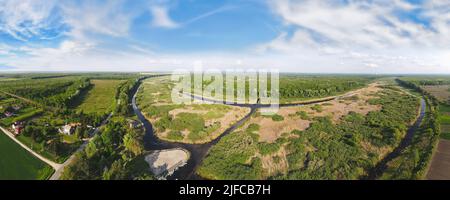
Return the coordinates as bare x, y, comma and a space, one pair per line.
199, 151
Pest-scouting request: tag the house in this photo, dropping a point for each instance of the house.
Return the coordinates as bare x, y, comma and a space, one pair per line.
17, 127
68, 129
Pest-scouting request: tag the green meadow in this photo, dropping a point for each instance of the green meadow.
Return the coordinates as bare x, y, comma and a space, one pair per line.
100, 99
18, 164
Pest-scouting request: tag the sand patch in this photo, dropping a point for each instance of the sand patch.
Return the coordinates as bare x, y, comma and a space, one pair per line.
166, 161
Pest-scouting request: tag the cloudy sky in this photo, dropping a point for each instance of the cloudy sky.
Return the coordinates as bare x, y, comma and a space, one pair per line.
329, 36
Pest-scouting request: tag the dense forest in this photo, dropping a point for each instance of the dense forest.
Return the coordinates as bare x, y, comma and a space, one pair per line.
299, 87
54, 92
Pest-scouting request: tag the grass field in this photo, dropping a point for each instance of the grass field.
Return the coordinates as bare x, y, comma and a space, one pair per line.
101, 98
17, 163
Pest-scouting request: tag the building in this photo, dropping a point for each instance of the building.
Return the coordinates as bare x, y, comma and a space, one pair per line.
68, 129
17, 127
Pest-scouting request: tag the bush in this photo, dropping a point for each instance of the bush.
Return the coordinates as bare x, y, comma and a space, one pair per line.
277, 118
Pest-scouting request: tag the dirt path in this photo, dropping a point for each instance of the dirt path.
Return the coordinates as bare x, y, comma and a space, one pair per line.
54, 165
440, 165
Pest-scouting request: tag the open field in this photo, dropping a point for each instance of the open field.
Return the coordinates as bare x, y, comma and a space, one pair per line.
318, 143
100, 99
444, 117
441, 92
440, 165
196, 123
17, 163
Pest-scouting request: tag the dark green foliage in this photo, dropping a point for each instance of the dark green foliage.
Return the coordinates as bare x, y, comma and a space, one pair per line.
325, 150
413, 162
277, 118
55, 92
108, 154
303, 115
230, 159
304, 87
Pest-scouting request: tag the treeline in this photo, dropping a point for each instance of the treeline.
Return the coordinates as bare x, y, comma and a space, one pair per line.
115, 154
57, 92
294, 87
124, 94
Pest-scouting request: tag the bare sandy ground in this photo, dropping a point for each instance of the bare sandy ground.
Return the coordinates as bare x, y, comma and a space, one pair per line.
440, 165
166, 161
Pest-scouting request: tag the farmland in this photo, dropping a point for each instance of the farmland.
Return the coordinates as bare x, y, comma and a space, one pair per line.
16, 163
100, 99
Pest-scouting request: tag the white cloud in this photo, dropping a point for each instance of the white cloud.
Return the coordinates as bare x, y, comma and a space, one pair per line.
161, 17
25, 19
331, 32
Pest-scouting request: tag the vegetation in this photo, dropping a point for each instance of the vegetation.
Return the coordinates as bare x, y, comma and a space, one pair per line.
347, 150
295, 87
101, 98
17, 163
196, 123
413, 162
55, 92
116, 153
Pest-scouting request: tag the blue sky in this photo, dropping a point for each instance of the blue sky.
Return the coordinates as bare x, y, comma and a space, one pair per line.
348, 36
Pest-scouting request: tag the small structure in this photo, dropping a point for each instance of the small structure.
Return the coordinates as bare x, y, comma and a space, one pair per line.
16, 108
8, 114
17, 127
68, 129
134, 123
